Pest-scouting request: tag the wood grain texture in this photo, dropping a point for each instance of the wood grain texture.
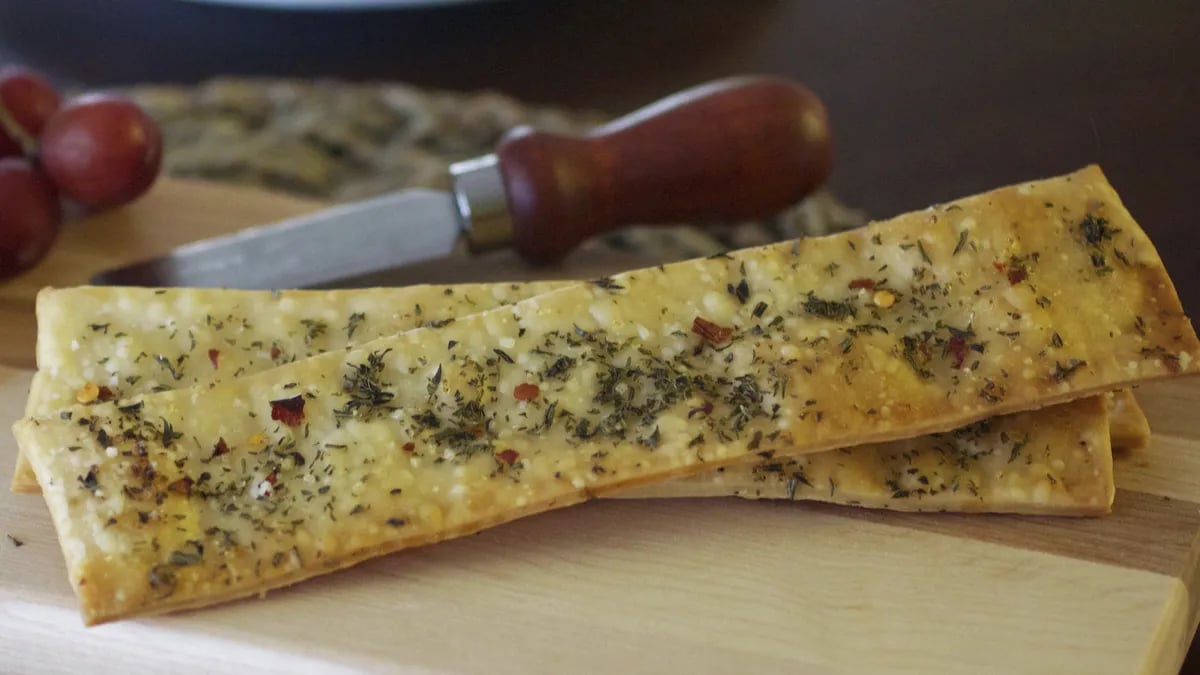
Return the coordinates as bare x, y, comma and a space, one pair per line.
728, 151
1145, 531
701, 585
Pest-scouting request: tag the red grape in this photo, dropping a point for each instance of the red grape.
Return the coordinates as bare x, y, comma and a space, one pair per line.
29, 216
8, 147
29, 100
101, 150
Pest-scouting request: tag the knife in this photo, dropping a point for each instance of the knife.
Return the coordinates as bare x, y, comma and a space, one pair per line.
725, 152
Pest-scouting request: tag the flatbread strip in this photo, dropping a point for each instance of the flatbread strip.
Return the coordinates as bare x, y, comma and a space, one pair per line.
112, 335
118, 338
1128, 428
191, 497
1051, 461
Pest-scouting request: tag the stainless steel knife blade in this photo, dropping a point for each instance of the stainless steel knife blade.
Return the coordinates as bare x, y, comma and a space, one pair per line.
310, 250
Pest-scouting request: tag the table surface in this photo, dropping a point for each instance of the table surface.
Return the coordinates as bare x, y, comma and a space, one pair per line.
929, 100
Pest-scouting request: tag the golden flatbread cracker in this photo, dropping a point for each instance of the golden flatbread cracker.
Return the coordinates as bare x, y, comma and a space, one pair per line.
105, 343
1012, 300
1053, 461
1128, 427
92, 334
100, 343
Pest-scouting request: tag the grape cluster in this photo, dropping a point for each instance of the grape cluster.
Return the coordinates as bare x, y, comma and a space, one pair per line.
98, 151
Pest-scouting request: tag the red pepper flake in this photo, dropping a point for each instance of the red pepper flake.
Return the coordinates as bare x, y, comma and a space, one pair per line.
998, 265
1016, 275
105, 394
290, 411
410, 446
266, 487
183, 486
275, 352
526, 392
958, 347
711, 332
221, 448
705, 409
508, 456
214, 355
863, 283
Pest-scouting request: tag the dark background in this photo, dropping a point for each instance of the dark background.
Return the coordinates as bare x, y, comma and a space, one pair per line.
928, 100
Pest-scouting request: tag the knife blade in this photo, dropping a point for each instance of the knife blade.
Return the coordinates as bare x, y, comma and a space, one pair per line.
724, 152
309, 251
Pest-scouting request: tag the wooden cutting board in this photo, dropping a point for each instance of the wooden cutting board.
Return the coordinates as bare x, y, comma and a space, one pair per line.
714, 585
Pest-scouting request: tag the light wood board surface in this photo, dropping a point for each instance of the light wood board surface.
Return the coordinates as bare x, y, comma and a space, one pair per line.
714, 585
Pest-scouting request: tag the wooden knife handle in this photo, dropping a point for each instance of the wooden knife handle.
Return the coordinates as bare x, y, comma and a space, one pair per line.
729, 151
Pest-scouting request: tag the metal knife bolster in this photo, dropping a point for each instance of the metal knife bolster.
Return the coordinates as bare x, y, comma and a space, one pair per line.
483, 213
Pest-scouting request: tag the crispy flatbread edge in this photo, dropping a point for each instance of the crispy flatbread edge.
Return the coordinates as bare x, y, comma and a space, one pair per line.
1128, 426
993, 504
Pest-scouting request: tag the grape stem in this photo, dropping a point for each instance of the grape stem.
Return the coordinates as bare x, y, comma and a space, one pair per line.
17, 132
